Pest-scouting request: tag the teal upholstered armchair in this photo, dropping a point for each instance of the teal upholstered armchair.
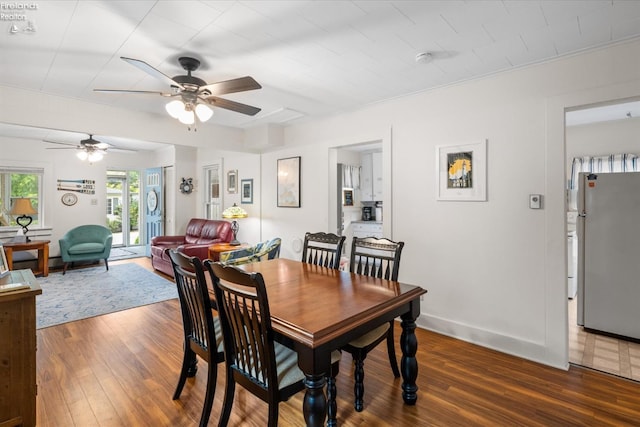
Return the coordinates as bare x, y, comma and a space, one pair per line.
86, 243
268, 249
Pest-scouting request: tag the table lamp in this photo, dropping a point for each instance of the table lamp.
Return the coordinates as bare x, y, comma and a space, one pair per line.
24, 209
234, 212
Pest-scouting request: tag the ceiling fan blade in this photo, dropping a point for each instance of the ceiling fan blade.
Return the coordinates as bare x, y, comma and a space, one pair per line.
70, 145
232, 105
62, 148
152, 71
145, 92
230, 86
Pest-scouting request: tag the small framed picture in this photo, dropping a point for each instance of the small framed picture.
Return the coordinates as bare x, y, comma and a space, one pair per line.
347, 197
232, 181
246, 191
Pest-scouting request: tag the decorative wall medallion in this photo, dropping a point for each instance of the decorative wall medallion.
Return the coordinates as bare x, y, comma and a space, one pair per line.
187, 185
69, 199
152, 200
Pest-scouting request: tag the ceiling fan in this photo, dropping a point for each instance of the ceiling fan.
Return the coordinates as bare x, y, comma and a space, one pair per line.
89, 149
194, 95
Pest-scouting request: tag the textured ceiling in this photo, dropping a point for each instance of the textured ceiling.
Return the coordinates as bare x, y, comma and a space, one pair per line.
313, 58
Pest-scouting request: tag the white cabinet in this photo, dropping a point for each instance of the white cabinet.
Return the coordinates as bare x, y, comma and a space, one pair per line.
376, 173
367, 229
371, 177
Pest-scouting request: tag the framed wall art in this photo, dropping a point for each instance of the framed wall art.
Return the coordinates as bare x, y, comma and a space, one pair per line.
246, 191
289, 182
461, 172
232, 181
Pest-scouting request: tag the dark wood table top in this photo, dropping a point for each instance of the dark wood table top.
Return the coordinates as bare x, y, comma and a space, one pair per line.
25, 245
313, 305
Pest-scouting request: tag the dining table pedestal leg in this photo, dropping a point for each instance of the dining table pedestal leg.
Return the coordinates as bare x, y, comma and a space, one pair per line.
409, 363
314, 406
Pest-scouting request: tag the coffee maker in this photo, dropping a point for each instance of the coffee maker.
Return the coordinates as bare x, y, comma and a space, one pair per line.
368, 213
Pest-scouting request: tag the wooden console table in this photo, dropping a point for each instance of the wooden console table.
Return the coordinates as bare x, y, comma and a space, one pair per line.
42, 246
18, 351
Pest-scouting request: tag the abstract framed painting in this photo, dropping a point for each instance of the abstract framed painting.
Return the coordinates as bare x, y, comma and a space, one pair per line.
289, 182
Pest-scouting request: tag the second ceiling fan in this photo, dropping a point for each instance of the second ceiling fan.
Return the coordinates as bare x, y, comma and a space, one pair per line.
194, 95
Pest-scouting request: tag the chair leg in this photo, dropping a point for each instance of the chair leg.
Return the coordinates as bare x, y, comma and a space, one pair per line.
106, 263
64, 268
392, 351
212, 376
358, 387
229, 391
187, 361
273, 414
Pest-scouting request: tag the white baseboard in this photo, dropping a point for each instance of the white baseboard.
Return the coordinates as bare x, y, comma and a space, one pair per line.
530, 350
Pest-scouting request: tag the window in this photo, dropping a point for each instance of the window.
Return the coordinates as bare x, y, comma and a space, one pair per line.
17, 183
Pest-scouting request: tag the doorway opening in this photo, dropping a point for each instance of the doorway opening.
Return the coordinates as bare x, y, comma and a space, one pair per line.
123, 212
592, 131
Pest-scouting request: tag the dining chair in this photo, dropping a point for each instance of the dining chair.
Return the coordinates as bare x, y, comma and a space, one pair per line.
322, 249
202, 330
376, 257
257, 362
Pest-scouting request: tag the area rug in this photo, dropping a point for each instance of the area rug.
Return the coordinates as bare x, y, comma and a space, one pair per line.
90, 292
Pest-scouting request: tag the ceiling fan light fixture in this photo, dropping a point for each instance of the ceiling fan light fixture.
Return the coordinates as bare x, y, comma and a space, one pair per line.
175, 108
187, 117
96, 156
82, 155
203, 112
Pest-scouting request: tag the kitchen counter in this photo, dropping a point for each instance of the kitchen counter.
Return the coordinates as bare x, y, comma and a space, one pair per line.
367, 222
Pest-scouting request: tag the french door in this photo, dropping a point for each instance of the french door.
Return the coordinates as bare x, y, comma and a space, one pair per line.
123, 201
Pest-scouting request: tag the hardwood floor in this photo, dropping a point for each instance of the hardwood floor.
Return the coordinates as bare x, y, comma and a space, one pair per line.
121, 369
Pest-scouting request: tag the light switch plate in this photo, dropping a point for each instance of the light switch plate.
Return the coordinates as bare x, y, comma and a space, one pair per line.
535, 201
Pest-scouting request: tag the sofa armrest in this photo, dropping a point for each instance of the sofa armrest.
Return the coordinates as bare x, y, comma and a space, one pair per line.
163, 240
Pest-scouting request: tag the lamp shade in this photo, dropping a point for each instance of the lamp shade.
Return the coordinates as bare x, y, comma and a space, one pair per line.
22, 206
95, 156
234, 211
203, 112
187, 117
174, 108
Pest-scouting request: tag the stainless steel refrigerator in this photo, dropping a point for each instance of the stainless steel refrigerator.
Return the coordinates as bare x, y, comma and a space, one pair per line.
608, 231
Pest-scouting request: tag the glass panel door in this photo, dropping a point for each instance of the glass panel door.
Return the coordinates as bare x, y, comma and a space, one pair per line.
123, 200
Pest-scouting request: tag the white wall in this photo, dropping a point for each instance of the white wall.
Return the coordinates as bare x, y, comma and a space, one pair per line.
248, 167
599, 139
495, 270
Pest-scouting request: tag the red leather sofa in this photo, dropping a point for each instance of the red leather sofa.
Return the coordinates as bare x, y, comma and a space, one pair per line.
200, 234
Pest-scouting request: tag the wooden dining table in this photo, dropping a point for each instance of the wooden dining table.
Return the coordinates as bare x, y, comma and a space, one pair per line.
316, 310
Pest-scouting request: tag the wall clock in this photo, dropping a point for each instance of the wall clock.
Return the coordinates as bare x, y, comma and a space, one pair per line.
69, 199
187, 186
152, 200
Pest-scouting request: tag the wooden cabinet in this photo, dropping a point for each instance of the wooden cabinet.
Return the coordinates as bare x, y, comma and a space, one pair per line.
371, 177
18, 352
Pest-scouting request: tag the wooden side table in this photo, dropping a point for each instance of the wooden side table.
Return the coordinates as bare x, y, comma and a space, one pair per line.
217, 248
42, 246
